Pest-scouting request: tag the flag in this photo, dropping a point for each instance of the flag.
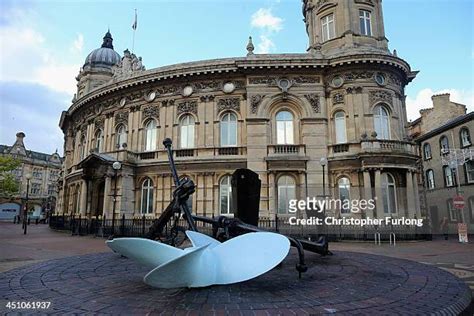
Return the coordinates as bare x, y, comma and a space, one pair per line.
134, 25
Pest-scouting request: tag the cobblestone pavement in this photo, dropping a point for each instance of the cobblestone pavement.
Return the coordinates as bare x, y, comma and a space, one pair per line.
346, 283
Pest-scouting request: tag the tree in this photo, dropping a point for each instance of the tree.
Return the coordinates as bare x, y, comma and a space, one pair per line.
9, 186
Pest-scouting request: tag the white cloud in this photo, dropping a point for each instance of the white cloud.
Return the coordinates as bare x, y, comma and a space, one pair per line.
423, 100
78, 44
265, 45
264, 19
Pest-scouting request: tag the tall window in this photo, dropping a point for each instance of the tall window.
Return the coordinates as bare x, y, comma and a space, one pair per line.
465, 138
471, 208
327, 27
427, 151
469, 165
345, 194
340, 124
430, 181
150, 135
389, 193
99, 141
444, 145
225, 195
451, 211
147, 197
286, 192
121, 136
284, 122
449, 176
381, 122
83, 147
229, 130
187, 131
365, 23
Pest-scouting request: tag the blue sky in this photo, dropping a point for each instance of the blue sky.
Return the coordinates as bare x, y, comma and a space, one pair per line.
43, 44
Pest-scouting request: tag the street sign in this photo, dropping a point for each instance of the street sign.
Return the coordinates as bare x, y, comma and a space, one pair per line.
458, 202
462, 233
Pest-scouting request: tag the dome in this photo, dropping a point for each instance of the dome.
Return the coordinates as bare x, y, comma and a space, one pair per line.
105, 55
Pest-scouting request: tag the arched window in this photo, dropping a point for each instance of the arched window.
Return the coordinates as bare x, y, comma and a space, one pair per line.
340, 124
471, 208
444, 145
83, 147
381, 122
449, 176
286, 192
284, 125
146, 206
427, 151
389, 193
225, 195
345, 194
229, 130
120, 136
469, 167
99, 141
465, 137
150, 135
430, 181
187, 131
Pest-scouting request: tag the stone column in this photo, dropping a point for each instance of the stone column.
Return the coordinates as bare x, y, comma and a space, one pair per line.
271, 194
378, 193
83, 202
411, 203
368, 192
417, 196
107, 207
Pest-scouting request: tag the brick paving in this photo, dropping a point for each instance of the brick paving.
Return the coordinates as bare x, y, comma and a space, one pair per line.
346, 283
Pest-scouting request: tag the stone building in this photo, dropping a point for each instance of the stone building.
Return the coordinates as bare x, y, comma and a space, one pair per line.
45, 172
443, 133
276, 114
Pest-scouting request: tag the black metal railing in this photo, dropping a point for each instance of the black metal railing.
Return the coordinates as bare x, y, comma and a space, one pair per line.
139, 226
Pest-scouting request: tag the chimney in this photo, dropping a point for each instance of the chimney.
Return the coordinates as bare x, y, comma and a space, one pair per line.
440, 99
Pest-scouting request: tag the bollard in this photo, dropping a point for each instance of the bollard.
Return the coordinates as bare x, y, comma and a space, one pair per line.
393, 239
143, 225
122, 226
377, 238
79, 227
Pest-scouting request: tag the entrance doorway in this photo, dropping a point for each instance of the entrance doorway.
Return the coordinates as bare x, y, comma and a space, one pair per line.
100, 199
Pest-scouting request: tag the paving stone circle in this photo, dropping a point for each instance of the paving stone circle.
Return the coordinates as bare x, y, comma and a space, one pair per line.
345, 283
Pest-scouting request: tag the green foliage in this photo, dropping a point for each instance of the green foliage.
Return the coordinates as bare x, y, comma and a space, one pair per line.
9, 186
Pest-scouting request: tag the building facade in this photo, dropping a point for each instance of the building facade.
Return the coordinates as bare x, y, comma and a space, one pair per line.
276, 114
45, 171
443, 133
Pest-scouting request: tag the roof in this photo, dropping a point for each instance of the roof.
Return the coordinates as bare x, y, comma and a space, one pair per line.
4, 149
448, 125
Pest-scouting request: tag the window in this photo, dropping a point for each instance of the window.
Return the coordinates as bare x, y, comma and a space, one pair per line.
345, 195
284, 120
452, 211
37, 173
327, 27
187, 131
120, 136
150, 135
469, 166
225, 195
83, 147
340, 124
147, 197
286, 192
444, 145
449, 176
430, 181
381, 122
389, 194
53, 175
99, 141
427, 151
35, 188
365, 23
471, 208
229, 130
51, 190
465, 137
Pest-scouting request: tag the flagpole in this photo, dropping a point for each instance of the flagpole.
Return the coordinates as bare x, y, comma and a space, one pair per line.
134, 27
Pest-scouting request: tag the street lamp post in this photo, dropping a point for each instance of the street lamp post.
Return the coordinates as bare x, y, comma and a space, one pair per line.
28, 177
323, 161
116, 166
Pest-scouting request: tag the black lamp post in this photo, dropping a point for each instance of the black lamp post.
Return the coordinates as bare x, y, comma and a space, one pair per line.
116, 166
28, 177
323, 161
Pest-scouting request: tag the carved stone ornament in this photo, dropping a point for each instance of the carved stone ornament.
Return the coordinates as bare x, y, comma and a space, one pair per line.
121, 118
188, 106
380, 95
207, 98
354, 75
228, 104
313, 99
255, 102
354, 89
99, 123
338, 98
151, 111
168, 102
274, 81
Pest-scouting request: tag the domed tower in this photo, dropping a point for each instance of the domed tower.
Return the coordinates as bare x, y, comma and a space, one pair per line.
340, 27
97, 69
